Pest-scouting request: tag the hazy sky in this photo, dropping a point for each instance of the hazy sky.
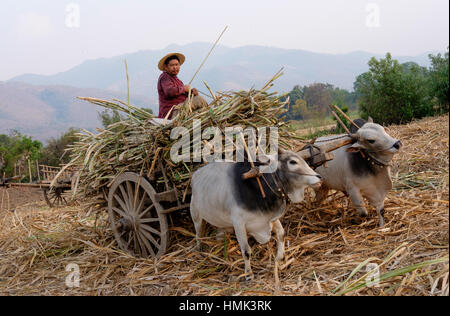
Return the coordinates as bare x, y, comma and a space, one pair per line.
48, 36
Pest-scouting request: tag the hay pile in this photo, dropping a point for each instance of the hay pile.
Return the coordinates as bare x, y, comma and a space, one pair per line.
326, 244
137, 144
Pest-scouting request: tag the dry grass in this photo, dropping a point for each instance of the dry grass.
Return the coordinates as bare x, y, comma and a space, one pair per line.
325, 244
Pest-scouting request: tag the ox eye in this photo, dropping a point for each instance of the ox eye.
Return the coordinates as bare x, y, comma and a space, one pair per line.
371, 141
293, 162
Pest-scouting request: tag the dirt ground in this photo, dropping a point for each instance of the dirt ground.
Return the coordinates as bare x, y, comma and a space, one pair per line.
15, 197
328, 247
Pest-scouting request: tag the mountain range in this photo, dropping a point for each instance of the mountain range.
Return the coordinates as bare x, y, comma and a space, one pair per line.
45, 105
45, 111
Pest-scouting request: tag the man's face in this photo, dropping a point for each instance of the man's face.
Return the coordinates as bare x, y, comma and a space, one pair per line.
173, 67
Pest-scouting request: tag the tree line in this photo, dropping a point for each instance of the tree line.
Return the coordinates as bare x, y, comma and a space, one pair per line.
19, 154
313, 101
390, 92
394, 93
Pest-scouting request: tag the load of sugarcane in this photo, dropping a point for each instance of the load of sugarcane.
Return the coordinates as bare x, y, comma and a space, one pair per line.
137, 144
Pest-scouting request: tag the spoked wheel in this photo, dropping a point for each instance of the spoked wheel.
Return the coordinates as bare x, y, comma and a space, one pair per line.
55, 197
136, 218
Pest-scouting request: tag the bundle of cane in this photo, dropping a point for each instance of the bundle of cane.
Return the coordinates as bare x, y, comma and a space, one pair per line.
137, 143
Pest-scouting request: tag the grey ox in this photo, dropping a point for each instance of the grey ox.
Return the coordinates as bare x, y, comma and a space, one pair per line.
362, 170
222, 198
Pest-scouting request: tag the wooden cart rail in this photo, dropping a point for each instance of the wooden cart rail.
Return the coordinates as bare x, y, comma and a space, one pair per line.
56, 195
48, 173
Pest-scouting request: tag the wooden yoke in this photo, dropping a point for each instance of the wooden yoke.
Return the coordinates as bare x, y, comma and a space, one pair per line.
254, 171
314, 155
317, 155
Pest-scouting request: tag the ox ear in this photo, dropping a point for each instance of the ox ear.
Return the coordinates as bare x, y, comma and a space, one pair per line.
370, 120
354, 148
281, 151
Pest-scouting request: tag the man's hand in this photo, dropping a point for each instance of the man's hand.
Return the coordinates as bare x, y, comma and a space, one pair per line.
193, 90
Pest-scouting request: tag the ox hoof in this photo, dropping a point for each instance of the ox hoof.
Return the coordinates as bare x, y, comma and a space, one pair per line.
198, 246
279, 257
250, 276
363, 213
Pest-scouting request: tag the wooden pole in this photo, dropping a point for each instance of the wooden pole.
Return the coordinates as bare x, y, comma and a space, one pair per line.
7, 195
37, 170
340, 122
3, 195
201, 65
29, 170
344, 115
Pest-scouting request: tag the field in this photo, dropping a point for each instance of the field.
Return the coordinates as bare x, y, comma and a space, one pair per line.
329, 249
316, 126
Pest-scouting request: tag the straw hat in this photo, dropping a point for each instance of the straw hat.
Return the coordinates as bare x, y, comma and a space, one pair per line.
163, 60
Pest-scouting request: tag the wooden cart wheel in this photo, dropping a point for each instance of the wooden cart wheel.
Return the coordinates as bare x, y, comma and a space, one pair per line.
55, 197
136, 218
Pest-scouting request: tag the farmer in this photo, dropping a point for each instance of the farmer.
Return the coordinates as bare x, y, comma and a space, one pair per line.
171, 90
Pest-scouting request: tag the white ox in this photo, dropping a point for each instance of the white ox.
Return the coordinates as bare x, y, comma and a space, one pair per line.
362, 169
222, 198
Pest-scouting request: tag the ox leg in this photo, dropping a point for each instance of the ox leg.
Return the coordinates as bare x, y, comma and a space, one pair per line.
379, 205
357, 201
380, 213
321, 194
199, 224
241, 235
279, 233
220, 234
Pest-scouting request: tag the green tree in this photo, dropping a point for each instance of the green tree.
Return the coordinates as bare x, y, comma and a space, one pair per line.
392, 93
344, 98
54, 153
108, 117
17, 149
438, 82
319, 96
295, 94
339, 128
300, 111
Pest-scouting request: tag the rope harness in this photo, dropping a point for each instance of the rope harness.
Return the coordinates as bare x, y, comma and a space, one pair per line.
371, 159
280, 191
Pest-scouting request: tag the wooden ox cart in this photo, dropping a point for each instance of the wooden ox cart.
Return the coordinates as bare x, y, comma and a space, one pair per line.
56, 195
139, 203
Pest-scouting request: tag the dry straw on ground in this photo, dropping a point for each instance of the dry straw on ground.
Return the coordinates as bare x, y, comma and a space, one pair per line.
328, 247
